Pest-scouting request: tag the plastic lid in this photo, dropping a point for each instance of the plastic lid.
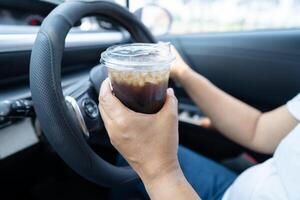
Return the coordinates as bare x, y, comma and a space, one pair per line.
138, 56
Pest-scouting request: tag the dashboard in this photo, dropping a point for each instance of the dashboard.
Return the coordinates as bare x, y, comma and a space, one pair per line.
25, 12
16, 17
18, 29
19, 24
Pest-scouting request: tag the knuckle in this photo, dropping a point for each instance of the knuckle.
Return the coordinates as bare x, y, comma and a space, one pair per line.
122, 124
125, 136
114, 139
174, 115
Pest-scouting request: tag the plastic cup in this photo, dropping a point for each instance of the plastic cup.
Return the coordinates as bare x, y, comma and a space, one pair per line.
139, 74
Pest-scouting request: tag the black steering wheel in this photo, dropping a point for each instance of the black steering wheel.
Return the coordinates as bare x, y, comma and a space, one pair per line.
68, 121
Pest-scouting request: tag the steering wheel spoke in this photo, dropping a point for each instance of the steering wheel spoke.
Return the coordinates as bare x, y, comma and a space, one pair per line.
84, 104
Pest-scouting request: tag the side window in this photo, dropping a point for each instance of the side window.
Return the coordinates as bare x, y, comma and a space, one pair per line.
198, 16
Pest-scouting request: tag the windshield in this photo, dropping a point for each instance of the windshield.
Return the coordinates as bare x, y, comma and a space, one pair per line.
54, 1
121, 2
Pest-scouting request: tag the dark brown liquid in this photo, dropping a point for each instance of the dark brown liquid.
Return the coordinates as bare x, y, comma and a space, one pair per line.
148, 98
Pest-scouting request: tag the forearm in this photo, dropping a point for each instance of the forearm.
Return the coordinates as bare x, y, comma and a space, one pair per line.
233, 118
238, 121
172, 185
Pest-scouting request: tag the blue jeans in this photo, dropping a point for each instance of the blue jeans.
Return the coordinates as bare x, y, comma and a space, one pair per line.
208, 178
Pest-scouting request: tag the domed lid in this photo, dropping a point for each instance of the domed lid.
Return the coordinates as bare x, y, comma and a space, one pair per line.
138, 56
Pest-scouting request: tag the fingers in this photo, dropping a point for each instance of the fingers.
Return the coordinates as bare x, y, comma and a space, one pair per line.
173, 49
110, 104
170, 106
103, 114
205, 122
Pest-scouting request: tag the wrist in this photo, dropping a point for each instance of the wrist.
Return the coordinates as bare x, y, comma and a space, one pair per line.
174, 176
153, 174
169, 186
183, 74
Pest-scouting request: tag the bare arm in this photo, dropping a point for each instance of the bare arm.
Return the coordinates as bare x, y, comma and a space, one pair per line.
149, 144
238, 121
171, 186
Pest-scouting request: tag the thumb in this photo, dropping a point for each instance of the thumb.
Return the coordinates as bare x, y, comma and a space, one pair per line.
171, 104
110, 104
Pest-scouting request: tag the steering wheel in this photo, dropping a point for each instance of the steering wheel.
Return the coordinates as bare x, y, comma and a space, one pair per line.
67, 122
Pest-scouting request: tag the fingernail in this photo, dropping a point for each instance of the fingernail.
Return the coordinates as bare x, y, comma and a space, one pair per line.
171, 91
104, 90
110, 85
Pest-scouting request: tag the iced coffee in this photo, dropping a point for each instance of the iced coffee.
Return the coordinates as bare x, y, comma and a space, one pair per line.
139, 74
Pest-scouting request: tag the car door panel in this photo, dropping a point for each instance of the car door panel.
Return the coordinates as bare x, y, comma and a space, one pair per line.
260, 68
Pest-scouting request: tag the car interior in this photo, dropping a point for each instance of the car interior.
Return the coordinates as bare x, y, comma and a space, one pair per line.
50, 78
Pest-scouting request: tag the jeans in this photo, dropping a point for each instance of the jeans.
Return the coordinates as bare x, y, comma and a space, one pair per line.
209, 179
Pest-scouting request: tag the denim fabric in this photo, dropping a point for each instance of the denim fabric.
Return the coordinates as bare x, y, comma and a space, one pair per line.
209, 179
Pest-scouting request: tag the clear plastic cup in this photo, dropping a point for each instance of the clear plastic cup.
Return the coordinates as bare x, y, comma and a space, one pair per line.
139, 74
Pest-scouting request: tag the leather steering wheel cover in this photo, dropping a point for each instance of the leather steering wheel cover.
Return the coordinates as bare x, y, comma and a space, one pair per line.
59, 126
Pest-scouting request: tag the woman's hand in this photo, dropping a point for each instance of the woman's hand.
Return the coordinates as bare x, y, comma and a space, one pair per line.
148, 142
179, 71
179, 67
